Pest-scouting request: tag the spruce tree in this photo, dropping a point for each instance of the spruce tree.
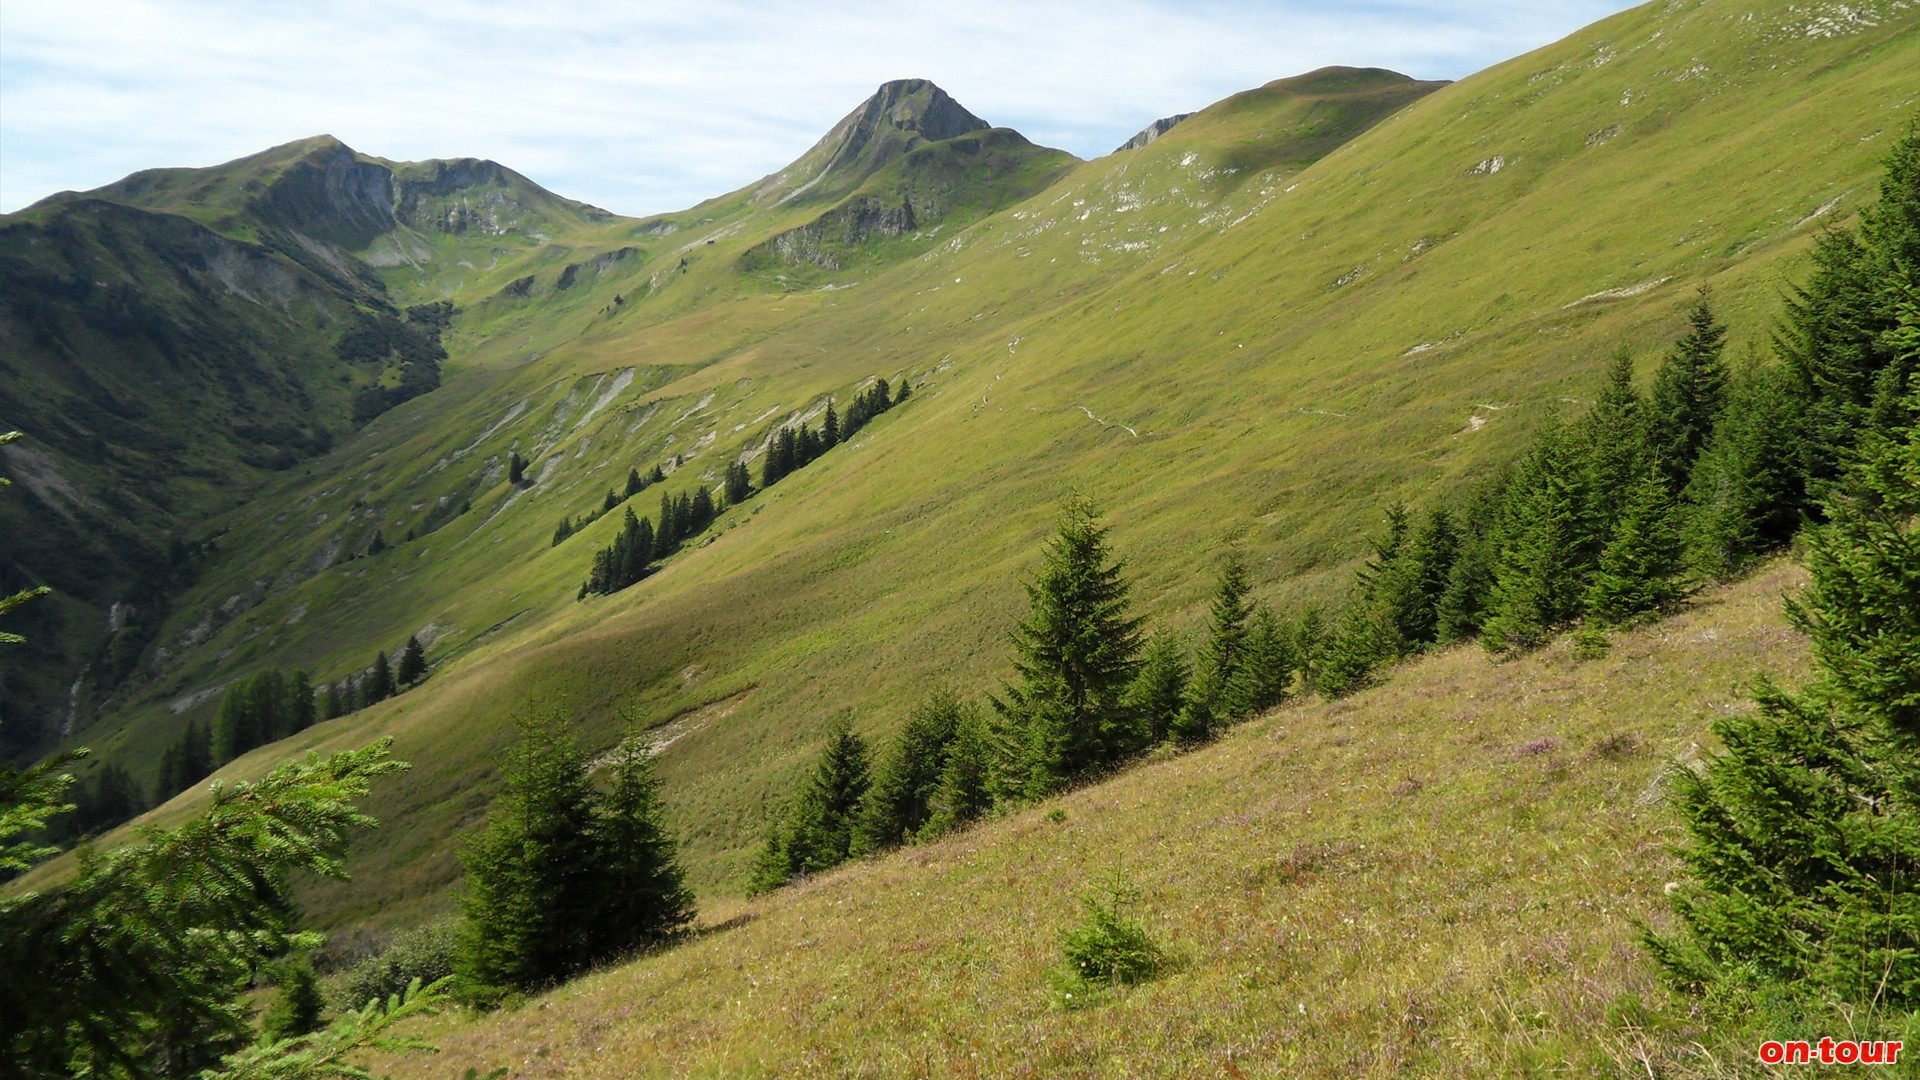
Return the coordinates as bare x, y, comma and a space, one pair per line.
298, 1007
642, 898
963, 792
1547, 548
300, 706
1841, 334
531, 875
1747, 495
379, 684
634, 484
516, 468
1640, 569
898, 804
1614, 440
1159, 691
1267, 671
1462, 606
1075, 653
1689, 394
830, 428
336, 704
1309, 645
1803, 848
413, 662
818, 834
1209, 705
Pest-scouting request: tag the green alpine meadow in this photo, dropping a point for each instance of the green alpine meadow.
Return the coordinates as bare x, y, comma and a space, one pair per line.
1374, 577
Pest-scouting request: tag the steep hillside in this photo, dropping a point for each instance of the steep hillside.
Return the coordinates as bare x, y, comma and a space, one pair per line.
1445, 876
1292, 306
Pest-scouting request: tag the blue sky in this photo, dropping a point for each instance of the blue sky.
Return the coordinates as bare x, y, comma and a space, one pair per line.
644, 107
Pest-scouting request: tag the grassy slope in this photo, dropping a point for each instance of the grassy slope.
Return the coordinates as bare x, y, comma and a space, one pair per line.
1442, 876
1291, 350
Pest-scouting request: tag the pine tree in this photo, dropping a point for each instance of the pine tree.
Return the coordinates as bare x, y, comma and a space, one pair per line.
898, 804
1159, 691
642, 894
516, 468
1640, 568
1547, 549
1361, 641
607, 504
1075, 653
1804, 835
413, 662
904, 391
634, 484
562, 531
1689, 394
336, 705
531, 889
376, 545
1462, 606
1209, 706
830, 428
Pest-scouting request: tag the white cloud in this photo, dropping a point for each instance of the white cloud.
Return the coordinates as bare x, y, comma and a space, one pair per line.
647, 107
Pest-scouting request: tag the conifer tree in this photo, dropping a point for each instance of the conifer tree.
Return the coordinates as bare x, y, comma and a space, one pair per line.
413, 662
1640, 568
1159, 691
136, 966
1462, 606
1361, 641
1547, 548
1804, 835
641, 894
336, 703
516, 468
379, 684
818, 834
634, 484
904, 391
298, 1007
963, 792
377, 545
1267, 673
1209, 706
830, 428
1309, 645
1842, 329
607, 504
739, 484
898, 804
1075, 653
1689, 394
531, 874
1747, 495
300, 706
1615, 442
657, 476
562, 530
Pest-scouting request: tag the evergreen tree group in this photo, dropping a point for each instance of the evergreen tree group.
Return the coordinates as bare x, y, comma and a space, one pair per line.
567, 874
256, 711
1803, 848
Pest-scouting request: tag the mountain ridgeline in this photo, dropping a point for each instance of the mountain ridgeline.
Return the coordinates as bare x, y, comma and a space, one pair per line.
283, 414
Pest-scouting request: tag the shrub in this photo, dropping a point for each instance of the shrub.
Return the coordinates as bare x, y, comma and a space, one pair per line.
423, 955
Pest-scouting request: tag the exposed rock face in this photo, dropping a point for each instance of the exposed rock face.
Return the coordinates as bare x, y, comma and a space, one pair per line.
597, 265
1151, 132
333, 196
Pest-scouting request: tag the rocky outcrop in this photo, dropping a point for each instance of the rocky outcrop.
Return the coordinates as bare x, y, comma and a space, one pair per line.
1152, 131
570, 274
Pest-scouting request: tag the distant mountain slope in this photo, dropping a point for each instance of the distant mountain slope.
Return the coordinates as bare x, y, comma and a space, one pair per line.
901, 115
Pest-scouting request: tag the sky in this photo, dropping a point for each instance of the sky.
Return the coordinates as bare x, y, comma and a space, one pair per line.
644, 107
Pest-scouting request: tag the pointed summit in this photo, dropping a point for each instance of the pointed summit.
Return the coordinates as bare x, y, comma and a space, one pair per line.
901, 115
